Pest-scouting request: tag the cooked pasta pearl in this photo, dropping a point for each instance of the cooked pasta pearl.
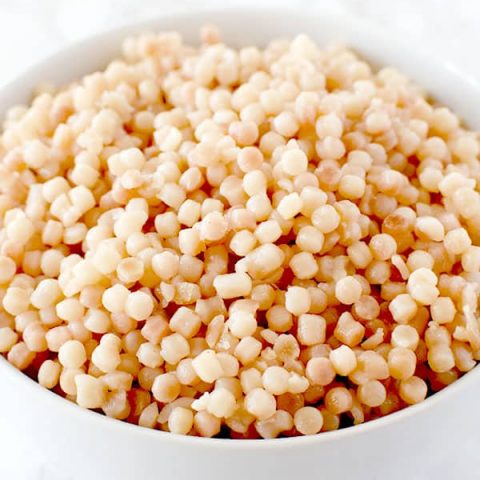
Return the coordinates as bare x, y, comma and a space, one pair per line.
207, 366
372, 393
343, 360
72, 354
308, 420
180, 421
348, 290
260, 403
90, 391
275, 380
235, 242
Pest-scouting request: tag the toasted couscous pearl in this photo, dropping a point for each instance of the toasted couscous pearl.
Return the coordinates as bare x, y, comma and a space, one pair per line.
338, 400
297, 300
290, 206
221, 403
457, 241
401, 363
115, 298
72, 354
49, 374
8, 338
372, 393
348, 290
148, 417
260, 403
275, 380
405, 336
7, 269
242, 323
413, 390
174, 348
258, 258
233, 285
325, 218
206, 424
139, 305
90, 391
383, 246
403, 308
149, 355
443, 310
440, 358
308, 420
106, 357
351, 187
207, 366
294, 162
343, 360
429, 227
311, 329
180, 421
166, 387
320, 371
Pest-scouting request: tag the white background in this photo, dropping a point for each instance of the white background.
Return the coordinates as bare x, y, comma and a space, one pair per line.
31, 29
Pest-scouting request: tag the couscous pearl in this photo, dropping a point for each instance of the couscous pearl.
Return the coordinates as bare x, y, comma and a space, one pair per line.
207, 366
348, 290
166, 387
260, 403
238, 244
372, 393
343, 360
308, 420
139, 305
275, 380
72, 354
413, 390
180, 421
242, 323
221, 403
91, 392
294, 162
49, 374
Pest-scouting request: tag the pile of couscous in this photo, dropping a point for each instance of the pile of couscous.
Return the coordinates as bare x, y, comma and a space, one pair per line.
246, 243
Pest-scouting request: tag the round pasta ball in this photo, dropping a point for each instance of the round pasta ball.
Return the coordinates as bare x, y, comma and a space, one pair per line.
180, 421
235, 242
260, 403
139, 305
348, 290
72, 354
294, 162
308, 420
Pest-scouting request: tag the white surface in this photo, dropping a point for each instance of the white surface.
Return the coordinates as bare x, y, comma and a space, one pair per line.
32, 29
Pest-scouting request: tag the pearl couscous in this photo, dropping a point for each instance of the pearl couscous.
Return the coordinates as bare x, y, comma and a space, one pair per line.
247, 243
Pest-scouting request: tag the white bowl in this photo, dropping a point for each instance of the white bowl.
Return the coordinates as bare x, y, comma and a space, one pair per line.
435, 438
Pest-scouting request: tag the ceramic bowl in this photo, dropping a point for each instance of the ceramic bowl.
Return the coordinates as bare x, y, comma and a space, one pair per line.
437, 438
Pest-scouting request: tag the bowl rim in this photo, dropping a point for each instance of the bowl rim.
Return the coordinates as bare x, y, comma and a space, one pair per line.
361, 27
